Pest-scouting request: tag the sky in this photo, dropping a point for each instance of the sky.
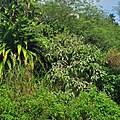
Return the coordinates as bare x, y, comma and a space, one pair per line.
108, 6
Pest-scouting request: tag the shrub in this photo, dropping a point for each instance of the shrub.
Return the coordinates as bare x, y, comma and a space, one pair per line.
47, 105
20, 39
74, 65
21, 82
111, 86
113, 58
95, 106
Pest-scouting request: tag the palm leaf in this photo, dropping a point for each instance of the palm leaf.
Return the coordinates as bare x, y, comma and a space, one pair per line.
25, 55
5, 56
12, 58
19, 47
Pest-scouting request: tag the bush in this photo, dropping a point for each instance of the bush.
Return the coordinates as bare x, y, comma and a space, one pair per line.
20, 81
95, 106
74, 66
113, 58
46, 105
111, 86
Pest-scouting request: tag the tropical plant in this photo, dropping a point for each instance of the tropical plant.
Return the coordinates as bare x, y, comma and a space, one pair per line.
19, 22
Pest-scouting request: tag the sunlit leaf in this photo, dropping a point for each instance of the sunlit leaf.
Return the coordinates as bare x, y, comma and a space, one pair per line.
12, 58
25, 55
26, 44
19, 47
6, 55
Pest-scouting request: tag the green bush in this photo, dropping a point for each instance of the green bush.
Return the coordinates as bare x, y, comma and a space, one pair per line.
111, 86
45, 105
113, 58
74, 66
95, 106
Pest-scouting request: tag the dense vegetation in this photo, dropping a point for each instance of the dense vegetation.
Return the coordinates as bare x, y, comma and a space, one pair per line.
59, 60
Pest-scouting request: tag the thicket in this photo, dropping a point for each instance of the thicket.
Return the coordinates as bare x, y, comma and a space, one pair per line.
59, 60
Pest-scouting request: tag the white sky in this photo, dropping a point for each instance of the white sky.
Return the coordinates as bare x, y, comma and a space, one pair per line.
108, 6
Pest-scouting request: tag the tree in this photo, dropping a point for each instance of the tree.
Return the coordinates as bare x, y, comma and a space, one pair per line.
76, 16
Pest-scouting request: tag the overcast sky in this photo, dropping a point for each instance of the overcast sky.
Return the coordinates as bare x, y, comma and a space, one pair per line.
108, 6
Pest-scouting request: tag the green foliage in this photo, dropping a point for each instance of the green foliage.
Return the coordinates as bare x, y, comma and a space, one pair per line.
54, 63
19, 35
82, 18
74, 66
76, 15
94, 106
111, 85
46, 105
21, 81
96, 36
104, 35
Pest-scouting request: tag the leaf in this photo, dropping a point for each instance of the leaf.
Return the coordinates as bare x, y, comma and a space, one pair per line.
5, 35
3, 49
9, 64
26, 44
5, 56
32, 53
40, 62
25, 55
1, 69
19, 47
32, 62
3, 46
1, 52
13, 6
12, 58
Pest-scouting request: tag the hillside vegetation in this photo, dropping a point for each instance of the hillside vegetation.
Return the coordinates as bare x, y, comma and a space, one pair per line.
59, 60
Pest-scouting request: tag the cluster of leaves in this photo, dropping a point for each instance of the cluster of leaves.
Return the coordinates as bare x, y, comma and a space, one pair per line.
96, 28
83, 18
74, 66
19, 23
66, 42
47, 105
